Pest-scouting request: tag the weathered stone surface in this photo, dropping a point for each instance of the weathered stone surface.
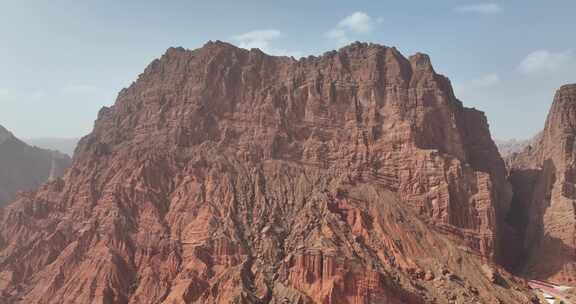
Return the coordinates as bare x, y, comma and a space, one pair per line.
24, 168
509, 147
544, 208
224, 175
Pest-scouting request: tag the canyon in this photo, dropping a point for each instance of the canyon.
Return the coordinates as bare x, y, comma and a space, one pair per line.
544, 211
225, 175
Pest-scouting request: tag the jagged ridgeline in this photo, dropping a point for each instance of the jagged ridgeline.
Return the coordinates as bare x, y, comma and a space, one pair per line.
225, 175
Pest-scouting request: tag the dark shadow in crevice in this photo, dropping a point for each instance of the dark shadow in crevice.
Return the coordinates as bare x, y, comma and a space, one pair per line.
526, 241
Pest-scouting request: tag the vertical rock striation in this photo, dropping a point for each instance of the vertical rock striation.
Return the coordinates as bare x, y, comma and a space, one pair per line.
544, 179
225, 175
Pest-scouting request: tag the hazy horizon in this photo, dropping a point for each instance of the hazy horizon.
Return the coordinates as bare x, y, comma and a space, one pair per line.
69, 59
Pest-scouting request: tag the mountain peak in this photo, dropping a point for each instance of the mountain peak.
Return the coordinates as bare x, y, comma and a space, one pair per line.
568, 87
421, 61
241, 177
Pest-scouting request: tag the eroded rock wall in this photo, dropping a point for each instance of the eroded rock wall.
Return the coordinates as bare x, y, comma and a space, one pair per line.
224, 175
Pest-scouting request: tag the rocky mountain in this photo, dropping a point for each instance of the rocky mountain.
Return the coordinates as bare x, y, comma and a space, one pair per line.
225, 175
64, 145
544, 180
24, 168
511, 146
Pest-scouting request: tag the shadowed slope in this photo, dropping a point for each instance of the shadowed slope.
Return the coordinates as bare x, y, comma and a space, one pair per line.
24, 168
544, 179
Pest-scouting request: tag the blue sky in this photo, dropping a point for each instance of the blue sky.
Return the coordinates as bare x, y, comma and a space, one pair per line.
61, 60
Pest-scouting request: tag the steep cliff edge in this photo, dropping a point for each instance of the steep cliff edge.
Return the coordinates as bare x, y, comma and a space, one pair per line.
224, 175
544, 179
25, 168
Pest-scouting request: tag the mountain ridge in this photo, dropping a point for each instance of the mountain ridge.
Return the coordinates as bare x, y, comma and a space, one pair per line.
24, 168
225, 175
61, 144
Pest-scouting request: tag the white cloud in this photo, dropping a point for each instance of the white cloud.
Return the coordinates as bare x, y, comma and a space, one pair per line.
545, 61
257, 39
356, 23
480, 8
261, 39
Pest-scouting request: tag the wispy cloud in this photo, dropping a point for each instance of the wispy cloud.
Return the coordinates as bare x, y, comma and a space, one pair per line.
356, 23
485, 81
257, 39
480, 8
543, 61
482, 82
261, 39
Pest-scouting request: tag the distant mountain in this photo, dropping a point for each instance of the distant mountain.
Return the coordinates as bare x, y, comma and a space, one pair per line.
509, 147
24, 168
64, 145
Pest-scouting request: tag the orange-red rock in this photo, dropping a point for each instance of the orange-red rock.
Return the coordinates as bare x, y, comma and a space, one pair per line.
224, 175
544, 180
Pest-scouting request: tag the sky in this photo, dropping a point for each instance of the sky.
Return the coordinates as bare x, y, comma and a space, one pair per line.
62, 60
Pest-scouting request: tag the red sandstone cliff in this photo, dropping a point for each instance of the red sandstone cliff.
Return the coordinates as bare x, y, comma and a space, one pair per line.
544, 178
24, 168
224, 175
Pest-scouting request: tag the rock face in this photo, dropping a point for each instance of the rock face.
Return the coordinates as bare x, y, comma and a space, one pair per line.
224, 175
24, 168
544, 180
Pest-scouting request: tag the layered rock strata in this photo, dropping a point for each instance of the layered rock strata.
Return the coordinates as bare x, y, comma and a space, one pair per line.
544, 208
225, 175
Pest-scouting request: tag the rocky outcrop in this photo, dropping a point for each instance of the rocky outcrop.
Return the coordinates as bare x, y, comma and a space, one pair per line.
544, 209
225, 175
24, 168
